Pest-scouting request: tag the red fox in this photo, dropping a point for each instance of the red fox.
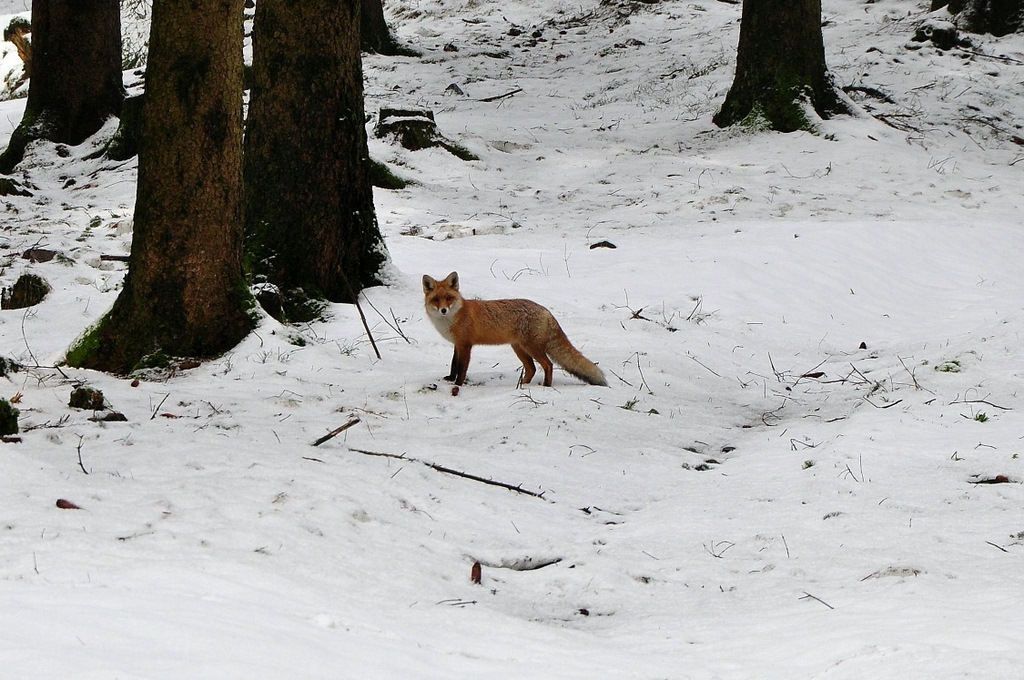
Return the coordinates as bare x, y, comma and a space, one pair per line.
531, 330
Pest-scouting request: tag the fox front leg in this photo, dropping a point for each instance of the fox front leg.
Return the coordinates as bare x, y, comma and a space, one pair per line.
455, 367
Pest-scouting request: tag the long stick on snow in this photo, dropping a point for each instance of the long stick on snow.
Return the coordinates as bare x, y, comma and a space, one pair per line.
450, 471
335, 432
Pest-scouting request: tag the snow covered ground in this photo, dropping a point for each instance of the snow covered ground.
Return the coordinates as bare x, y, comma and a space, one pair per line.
807, 464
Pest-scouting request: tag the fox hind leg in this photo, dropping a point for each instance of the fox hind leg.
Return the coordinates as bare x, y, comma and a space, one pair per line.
541, 355
529, 370
461, 361
545, 363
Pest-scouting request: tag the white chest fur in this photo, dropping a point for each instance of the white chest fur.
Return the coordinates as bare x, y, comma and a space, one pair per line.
442, 322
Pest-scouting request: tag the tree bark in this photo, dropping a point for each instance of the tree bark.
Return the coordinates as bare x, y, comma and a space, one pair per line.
309, 218
998, 17
15, 33
781, 76
184, 294
76, 74
375, 34
125, 142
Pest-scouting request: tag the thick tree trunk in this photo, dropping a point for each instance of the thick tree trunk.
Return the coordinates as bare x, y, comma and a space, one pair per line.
310, 223
781, 76
998, 17
185, 293
15, 34
76, 74
375, 34
125, 142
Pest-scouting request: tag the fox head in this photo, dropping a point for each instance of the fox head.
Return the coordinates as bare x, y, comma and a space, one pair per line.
442, 298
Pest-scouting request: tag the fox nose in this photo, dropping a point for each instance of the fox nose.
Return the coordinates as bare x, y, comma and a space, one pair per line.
443, 310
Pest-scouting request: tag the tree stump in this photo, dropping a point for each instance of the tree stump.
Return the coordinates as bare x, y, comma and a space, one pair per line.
943, 34
8, 419
27, 291
416, 129
87, 398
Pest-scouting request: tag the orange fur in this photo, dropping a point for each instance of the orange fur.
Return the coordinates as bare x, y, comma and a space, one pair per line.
530, 328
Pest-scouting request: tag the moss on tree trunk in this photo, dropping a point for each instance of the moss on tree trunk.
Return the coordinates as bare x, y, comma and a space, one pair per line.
781, 78
125, 142
184, 294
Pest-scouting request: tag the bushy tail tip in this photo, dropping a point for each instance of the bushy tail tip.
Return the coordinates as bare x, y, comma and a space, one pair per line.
570, 359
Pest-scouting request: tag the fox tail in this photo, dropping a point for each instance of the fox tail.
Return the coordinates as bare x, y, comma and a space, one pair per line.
568, 357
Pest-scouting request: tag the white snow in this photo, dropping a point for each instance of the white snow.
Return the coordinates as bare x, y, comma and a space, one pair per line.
753, 497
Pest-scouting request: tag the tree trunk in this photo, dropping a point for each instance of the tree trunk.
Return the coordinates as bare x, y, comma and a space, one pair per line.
781, 77
375, 34
125, 142
185, 294
998, 17
76, 74
309, 218
15, 33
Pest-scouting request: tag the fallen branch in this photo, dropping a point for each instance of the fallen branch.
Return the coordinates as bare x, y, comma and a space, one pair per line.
457, 603
863, 378
80, 464
1008, 60
362, 317
808, 596
500, 96
335, 432
890, 119
889, 405
812, 374
451, 471
871, 92
396, 327
980, 401
913, 377
157, 409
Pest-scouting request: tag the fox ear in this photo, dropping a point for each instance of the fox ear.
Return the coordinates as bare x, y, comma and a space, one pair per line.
453, 280
428, 283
